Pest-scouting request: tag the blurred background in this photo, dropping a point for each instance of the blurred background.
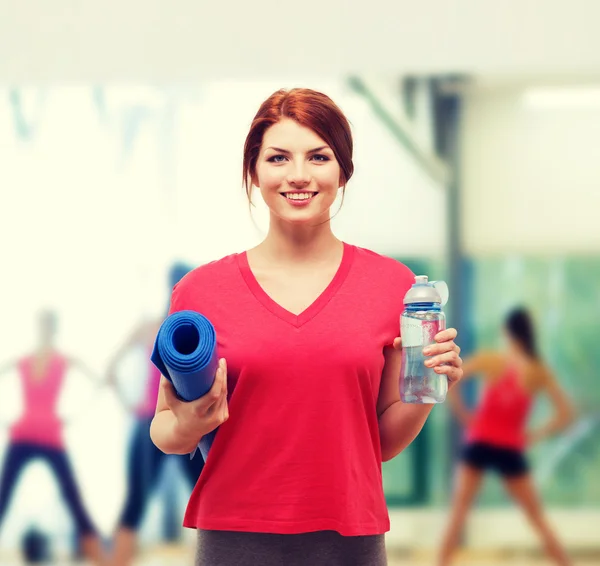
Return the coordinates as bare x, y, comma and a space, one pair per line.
477, 155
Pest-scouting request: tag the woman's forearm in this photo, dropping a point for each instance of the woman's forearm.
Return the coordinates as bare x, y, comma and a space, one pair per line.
554, 426
399, 425
458, 407
168, 437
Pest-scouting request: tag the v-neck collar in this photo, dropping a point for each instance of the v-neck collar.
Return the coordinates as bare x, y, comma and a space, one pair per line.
315, 307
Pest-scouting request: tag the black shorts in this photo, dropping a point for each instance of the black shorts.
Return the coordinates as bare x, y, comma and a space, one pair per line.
508, 462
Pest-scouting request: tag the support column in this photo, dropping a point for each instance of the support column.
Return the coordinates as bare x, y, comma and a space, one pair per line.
448, 118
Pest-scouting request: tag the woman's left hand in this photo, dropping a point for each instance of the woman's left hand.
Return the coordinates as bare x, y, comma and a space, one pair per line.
444, 355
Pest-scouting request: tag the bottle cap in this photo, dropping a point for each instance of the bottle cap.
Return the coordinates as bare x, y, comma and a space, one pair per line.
425, 291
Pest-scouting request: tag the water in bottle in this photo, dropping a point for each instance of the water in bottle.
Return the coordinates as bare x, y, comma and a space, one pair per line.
421, 320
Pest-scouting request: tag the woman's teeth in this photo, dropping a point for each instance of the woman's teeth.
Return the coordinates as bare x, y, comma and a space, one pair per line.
299, 196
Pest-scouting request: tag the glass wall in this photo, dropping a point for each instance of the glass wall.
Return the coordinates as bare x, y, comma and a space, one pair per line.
563, 294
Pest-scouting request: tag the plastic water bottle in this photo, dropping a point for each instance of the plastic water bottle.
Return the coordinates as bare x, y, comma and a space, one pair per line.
421, 320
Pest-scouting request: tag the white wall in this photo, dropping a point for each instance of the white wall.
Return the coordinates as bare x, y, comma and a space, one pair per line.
531, 172
95, 213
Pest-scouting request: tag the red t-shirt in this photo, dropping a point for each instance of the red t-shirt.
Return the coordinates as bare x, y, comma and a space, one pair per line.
300, 451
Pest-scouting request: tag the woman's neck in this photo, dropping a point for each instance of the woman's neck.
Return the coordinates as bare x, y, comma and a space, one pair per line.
43, 350
520, 358
289, 244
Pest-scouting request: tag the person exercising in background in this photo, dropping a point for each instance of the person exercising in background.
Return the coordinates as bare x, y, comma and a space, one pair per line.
38, 434
145, 461
497, 434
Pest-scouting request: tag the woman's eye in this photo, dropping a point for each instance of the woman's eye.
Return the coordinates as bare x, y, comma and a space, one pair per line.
276, 159
320, 157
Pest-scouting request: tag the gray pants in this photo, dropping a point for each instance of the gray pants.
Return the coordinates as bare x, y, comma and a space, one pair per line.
323, 548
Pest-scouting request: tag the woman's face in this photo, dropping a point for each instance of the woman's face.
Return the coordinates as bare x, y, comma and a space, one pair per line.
297, 173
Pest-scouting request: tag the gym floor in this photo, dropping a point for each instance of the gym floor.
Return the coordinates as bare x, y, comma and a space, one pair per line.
183, 556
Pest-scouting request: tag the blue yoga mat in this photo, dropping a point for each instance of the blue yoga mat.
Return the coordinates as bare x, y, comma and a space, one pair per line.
185, 352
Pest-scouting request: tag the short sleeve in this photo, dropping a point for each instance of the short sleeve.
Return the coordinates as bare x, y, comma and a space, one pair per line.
175, 300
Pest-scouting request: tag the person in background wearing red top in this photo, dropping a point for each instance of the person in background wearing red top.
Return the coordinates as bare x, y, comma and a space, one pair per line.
145, 461
496, 431
38, 433
306, 396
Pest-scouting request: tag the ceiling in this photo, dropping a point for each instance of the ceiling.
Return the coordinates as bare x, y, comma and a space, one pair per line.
192, 40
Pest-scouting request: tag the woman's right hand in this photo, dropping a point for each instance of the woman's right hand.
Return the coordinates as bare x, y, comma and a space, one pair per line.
196, 418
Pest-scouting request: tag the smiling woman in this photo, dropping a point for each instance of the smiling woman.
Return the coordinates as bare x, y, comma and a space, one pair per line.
306, 396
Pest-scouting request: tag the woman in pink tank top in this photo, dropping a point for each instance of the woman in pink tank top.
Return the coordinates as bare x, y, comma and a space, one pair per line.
497, 434
38, 432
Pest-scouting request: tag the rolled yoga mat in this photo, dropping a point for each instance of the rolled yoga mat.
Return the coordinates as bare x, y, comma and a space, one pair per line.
185, 352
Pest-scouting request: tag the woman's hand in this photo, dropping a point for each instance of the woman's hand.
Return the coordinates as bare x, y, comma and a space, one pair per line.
443, 356
199, 417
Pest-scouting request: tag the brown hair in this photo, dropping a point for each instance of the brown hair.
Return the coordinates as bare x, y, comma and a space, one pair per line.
310, 109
